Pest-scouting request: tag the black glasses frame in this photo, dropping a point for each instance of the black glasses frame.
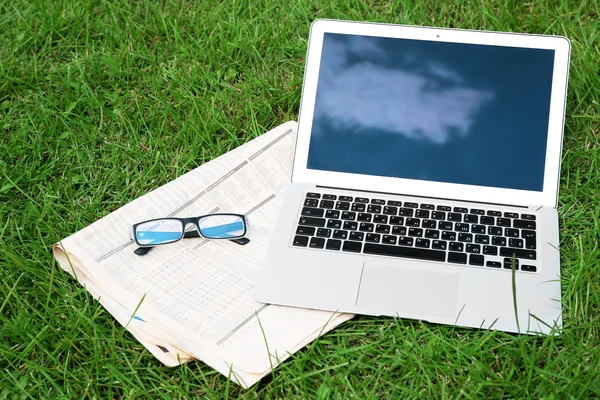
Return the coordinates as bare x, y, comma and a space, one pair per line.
190, 234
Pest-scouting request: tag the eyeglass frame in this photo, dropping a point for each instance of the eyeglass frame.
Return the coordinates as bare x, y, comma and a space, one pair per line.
189, 234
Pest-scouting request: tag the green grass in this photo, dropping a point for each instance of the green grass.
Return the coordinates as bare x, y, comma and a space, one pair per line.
103, 101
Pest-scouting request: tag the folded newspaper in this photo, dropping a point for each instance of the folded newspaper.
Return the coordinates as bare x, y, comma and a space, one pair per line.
194, 299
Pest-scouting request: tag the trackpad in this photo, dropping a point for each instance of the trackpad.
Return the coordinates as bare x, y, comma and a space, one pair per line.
408, 292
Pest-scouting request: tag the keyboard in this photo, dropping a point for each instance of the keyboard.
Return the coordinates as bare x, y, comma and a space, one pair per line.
478, 237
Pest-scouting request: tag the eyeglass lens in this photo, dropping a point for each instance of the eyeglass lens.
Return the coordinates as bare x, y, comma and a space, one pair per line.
221, 226
159, 232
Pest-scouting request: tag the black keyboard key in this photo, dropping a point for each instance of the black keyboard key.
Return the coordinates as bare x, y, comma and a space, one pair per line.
378, 201
465, 237
445, 226
444, 208
398, 230
499, 241
508, 263
476, 259
327, 204
493, 264
311, 203
358, 207
509, 232
511, 215
422, 213
356, 236
519, 253
366, 227
439, 215
382, 228
354, 247
329, 197
373, 237
313, 195
530, 217
374, 209
300, 241
323, 232
428, 223
348, 215
397, 220
305, 230
424, 243
312, 212
387, 210
405, 241
340, 234
439, 244
410, 205
361, 200
494, 213
428, 206
460, 210
364, 217
505, 222
342, 205
388, 239
408, 252
455, 217
405, 212
334, 223
473, 248
472, 218
477, 229
316, 243
380, 219
432, 234
490, 250
477, 211
459, 258
332, 214
350, 225
333, 244
461, 227
394, 203
523, 224
485, 220
345, 198
455, 246
529, 237
416, 232
311, 221
494, 231
517, 243
482, 239
528, 268
448, 235
413, 222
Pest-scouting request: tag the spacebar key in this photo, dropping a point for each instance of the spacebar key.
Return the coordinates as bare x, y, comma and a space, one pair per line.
401, 251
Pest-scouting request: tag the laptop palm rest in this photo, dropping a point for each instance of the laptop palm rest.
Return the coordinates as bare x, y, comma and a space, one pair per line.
409, 292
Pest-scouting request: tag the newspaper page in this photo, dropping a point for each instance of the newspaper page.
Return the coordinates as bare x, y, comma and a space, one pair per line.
194, 299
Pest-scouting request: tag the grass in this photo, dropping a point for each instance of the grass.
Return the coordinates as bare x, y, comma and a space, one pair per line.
104, 101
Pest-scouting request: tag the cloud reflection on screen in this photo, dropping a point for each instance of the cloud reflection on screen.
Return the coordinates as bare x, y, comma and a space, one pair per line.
426, 103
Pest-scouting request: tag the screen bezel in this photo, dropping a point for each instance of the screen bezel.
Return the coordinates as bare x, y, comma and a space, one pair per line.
547, 197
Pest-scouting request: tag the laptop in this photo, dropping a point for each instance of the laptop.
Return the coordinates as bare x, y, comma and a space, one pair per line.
425, 178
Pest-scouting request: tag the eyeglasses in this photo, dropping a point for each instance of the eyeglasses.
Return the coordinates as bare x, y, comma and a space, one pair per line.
160, 231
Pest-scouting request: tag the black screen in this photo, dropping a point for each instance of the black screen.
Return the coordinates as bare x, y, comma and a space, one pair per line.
446, 112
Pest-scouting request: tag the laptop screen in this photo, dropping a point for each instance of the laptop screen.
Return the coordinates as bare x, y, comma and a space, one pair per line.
445, 112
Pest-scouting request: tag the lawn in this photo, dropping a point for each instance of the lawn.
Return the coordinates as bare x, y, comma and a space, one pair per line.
103, 101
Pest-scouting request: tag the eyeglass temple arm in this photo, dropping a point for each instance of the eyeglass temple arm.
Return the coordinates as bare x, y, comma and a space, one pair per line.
140, 251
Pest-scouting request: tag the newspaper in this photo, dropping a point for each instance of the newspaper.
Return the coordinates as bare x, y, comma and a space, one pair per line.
194, 299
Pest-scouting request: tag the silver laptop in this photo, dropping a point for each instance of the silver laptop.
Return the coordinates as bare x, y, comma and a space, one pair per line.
427, 164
